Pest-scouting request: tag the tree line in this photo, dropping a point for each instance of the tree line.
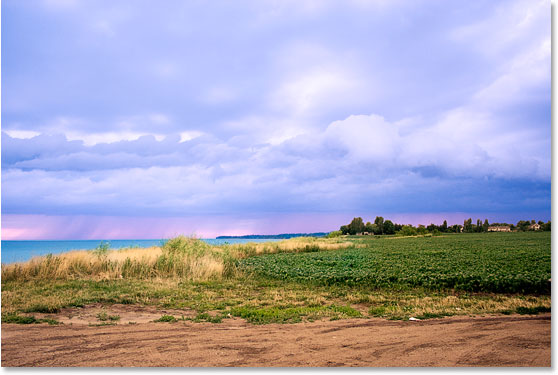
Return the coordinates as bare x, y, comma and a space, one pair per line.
381, 227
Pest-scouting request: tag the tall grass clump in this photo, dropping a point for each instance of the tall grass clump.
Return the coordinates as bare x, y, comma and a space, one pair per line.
293, 245
180, 257
189, 257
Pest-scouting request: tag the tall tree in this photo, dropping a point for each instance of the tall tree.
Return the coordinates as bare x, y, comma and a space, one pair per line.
523, 225
468, 226
379, 221
432, 227
456, 228
389, 227
356, 226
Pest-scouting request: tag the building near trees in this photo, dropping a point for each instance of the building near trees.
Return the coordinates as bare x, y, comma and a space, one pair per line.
499, 228
534, 226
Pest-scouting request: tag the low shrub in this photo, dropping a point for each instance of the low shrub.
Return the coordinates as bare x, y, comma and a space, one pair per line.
166, 319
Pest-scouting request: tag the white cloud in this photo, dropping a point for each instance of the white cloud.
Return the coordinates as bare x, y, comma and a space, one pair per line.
21, 134
528, 69
365, 137
123, 128
313, 91
255, 130
508, 27
90, 139
189, 135
310, 79
464, 142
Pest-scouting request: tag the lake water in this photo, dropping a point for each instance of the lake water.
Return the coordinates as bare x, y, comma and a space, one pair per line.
19, 251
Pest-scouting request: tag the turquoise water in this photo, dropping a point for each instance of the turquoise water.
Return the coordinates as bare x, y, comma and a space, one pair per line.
19, 251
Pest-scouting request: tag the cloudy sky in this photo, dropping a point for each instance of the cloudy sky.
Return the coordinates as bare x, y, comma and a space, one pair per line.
146, 119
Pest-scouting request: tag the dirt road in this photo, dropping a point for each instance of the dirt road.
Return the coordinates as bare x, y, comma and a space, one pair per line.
459, 341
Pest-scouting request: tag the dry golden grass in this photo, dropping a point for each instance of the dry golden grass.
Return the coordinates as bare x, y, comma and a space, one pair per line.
408, 304
48, 296
292, 245
117, 264
180, 257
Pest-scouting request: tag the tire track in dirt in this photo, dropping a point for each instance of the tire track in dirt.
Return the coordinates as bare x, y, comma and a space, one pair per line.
456, 341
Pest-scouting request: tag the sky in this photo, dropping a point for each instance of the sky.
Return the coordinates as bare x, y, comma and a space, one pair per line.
148, 119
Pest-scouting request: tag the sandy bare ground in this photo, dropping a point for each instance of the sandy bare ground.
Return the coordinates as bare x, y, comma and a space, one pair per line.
458, 341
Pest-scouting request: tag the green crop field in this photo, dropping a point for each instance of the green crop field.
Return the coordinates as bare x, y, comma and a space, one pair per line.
485, 262
295, 280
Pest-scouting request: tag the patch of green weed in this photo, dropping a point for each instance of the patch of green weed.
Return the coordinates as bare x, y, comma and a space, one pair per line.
532, 310
40, 308
103, 316
166, 319
23, 319
18, 319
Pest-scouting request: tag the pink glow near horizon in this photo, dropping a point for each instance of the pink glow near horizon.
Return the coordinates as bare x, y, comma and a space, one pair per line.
42, 227
37, 227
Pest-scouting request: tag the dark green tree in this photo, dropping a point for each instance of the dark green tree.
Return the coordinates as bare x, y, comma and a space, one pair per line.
468, 226
389, 227
523, 225
379, 221
456, 228
444, 226
356, 226
407, 230
485, 225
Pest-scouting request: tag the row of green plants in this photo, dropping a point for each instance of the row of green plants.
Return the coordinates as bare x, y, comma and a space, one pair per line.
477, 263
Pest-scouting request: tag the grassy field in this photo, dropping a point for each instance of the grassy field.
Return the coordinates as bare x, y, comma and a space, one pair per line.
495, 262
294, 280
